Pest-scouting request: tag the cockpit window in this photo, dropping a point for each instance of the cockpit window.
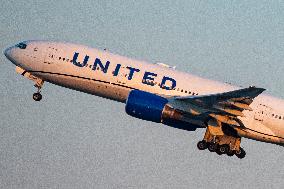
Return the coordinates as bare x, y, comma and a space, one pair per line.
22, 45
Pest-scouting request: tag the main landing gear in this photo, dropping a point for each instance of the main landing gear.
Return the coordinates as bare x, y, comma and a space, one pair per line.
37, 96
221, 149
215, 140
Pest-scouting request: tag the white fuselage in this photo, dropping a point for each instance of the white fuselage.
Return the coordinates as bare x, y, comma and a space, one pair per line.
114, 76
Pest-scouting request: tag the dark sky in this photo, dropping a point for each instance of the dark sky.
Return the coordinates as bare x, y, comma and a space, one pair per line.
75, 140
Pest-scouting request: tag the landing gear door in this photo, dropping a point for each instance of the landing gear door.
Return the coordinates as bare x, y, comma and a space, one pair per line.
262, 112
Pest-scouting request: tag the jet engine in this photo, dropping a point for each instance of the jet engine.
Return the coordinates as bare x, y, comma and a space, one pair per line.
151, 107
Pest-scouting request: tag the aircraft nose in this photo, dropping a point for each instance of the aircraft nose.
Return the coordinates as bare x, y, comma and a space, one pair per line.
7, 52
11, 54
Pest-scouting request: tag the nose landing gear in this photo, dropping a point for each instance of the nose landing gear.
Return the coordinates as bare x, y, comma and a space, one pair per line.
38, 82
37, 96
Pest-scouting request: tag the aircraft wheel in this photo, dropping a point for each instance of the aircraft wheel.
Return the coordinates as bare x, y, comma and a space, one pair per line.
212, 147
231, 153
241, 153
202, 145
218, 152
223, 149
37, 96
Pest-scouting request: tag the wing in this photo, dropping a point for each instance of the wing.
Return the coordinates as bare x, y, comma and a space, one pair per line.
225, 107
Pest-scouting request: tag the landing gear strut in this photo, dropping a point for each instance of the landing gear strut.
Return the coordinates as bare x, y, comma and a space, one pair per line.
37, 96
38, 82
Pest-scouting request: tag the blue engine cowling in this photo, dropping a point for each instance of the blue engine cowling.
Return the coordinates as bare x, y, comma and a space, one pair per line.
146, 106
151, 107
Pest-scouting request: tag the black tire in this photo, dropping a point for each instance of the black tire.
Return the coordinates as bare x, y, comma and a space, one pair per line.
202, 145
231, 153
218, 152
241, 153
212, 147
37, 96
223, 149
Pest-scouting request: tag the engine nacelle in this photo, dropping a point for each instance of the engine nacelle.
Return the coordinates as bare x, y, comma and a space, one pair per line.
151, 107
146, 106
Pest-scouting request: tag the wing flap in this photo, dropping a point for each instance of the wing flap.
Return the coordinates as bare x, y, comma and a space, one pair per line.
231, 111
241, 105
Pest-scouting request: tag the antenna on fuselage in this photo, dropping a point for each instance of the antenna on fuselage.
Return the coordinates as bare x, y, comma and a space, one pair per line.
165, 65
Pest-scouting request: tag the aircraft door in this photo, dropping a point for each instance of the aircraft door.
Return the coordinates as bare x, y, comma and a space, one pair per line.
262, 112
51, 54
123, 76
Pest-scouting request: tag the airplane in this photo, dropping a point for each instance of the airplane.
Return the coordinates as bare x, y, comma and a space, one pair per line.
156, 92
